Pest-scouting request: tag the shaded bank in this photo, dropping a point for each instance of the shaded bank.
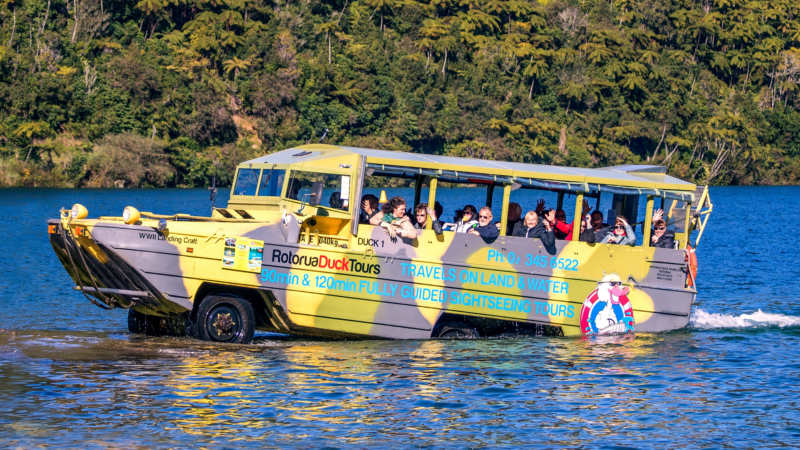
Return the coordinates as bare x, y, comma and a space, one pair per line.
184, 89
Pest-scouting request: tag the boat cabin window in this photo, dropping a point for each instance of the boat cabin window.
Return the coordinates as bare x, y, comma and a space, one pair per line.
271, 182
319, 189
246, 182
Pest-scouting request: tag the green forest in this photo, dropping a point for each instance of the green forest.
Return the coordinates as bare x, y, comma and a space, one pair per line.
105, 93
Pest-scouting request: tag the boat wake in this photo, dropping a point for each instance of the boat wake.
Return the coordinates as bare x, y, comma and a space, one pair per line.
705, 320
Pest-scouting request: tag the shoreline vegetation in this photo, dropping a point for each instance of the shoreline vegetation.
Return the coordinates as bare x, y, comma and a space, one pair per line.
168, 93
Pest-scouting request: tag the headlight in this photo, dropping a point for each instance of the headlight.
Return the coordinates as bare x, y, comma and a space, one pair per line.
130, 215
78, 211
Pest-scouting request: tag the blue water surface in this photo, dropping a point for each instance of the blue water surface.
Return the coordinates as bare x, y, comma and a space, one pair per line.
71, 375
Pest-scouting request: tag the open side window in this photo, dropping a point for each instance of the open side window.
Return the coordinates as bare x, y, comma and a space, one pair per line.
327, 190
324, 203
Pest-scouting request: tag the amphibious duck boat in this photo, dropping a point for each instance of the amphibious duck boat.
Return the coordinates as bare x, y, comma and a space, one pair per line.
289, 254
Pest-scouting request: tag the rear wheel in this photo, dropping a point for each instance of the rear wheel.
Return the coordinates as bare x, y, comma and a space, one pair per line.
225, 319
457, 330
140, 323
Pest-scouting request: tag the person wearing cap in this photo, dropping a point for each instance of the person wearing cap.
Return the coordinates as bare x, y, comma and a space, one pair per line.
660, 237
485, 228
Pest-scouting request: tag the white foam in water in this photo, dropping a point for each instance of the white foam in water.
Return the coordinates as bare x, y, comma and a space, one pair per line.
702, 319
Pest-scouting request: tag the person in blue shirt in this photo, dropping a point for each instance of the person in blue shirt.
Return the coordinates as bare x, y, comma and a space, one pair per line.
485, 227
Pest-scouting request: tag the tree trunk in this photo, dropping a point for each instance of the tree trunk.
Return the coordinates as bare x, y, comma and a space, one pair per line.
530, 91
75, 16
13, 29
444, 64
562, 140
655, 152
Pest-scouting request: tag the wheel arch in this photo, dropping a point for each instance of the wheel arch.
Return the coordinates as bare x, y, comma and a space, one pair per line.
257, 299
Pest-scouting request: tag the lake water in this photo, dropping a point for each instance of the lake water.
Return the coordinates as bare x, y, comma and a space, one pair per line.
71, 375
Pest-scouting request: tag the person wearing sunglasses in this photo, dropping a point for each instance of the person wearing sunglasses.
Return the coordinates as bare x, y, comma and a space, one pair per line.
465, 219
485, 228
586, 234
421, 214
621, 233
660, 237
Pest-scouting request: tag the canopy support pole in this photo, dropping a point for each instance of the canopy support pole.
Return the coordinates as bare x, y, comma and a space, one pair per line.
504, 213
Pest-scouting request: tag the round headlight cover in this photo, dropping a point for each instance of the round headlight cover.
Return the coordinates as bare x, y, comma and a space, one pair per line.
78, 211
130, 215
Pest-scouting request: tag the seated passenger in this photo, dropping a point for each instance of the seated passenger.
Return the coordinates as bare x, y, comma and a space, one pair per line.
438, 209
549, 215
661, 238
621, 234
465, 219
597, 226
485, 227
586, 234
421, 214
513, 217
370, 214
531, 227
396, 222
561, 228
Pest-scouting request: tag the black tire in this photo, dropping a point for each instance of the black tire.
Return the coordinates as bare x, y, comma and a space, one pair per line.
137, 322
140, 323
457, 330
225, 319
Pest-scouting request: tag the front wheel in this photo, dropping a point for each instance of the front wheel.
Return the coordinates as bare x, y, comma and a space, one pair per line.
225, 319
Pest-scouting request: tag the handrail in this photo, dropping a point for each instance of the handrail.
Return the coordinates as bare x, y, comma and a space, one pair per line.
107, 304
701, 215
179, 216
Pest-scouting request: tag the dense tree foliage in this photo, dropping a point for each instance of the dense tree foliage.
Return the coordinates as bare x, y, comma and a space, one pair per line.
173, 92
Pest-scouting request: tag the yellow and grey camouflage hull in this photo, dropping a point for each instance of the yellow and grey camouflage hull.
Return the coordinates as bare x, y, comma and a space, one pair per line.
371, 285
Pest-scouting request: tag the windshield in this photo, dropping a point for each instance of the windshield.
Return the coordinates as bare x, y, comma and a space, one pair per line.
246, 182
324, 189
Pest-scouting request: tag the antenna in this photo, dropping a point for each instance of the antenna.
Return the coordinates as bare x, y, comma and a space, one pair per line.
212, 194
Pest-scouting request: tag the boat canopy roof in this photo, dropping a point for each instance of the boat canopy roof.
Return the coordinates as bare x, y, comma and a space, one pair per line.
625, 179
